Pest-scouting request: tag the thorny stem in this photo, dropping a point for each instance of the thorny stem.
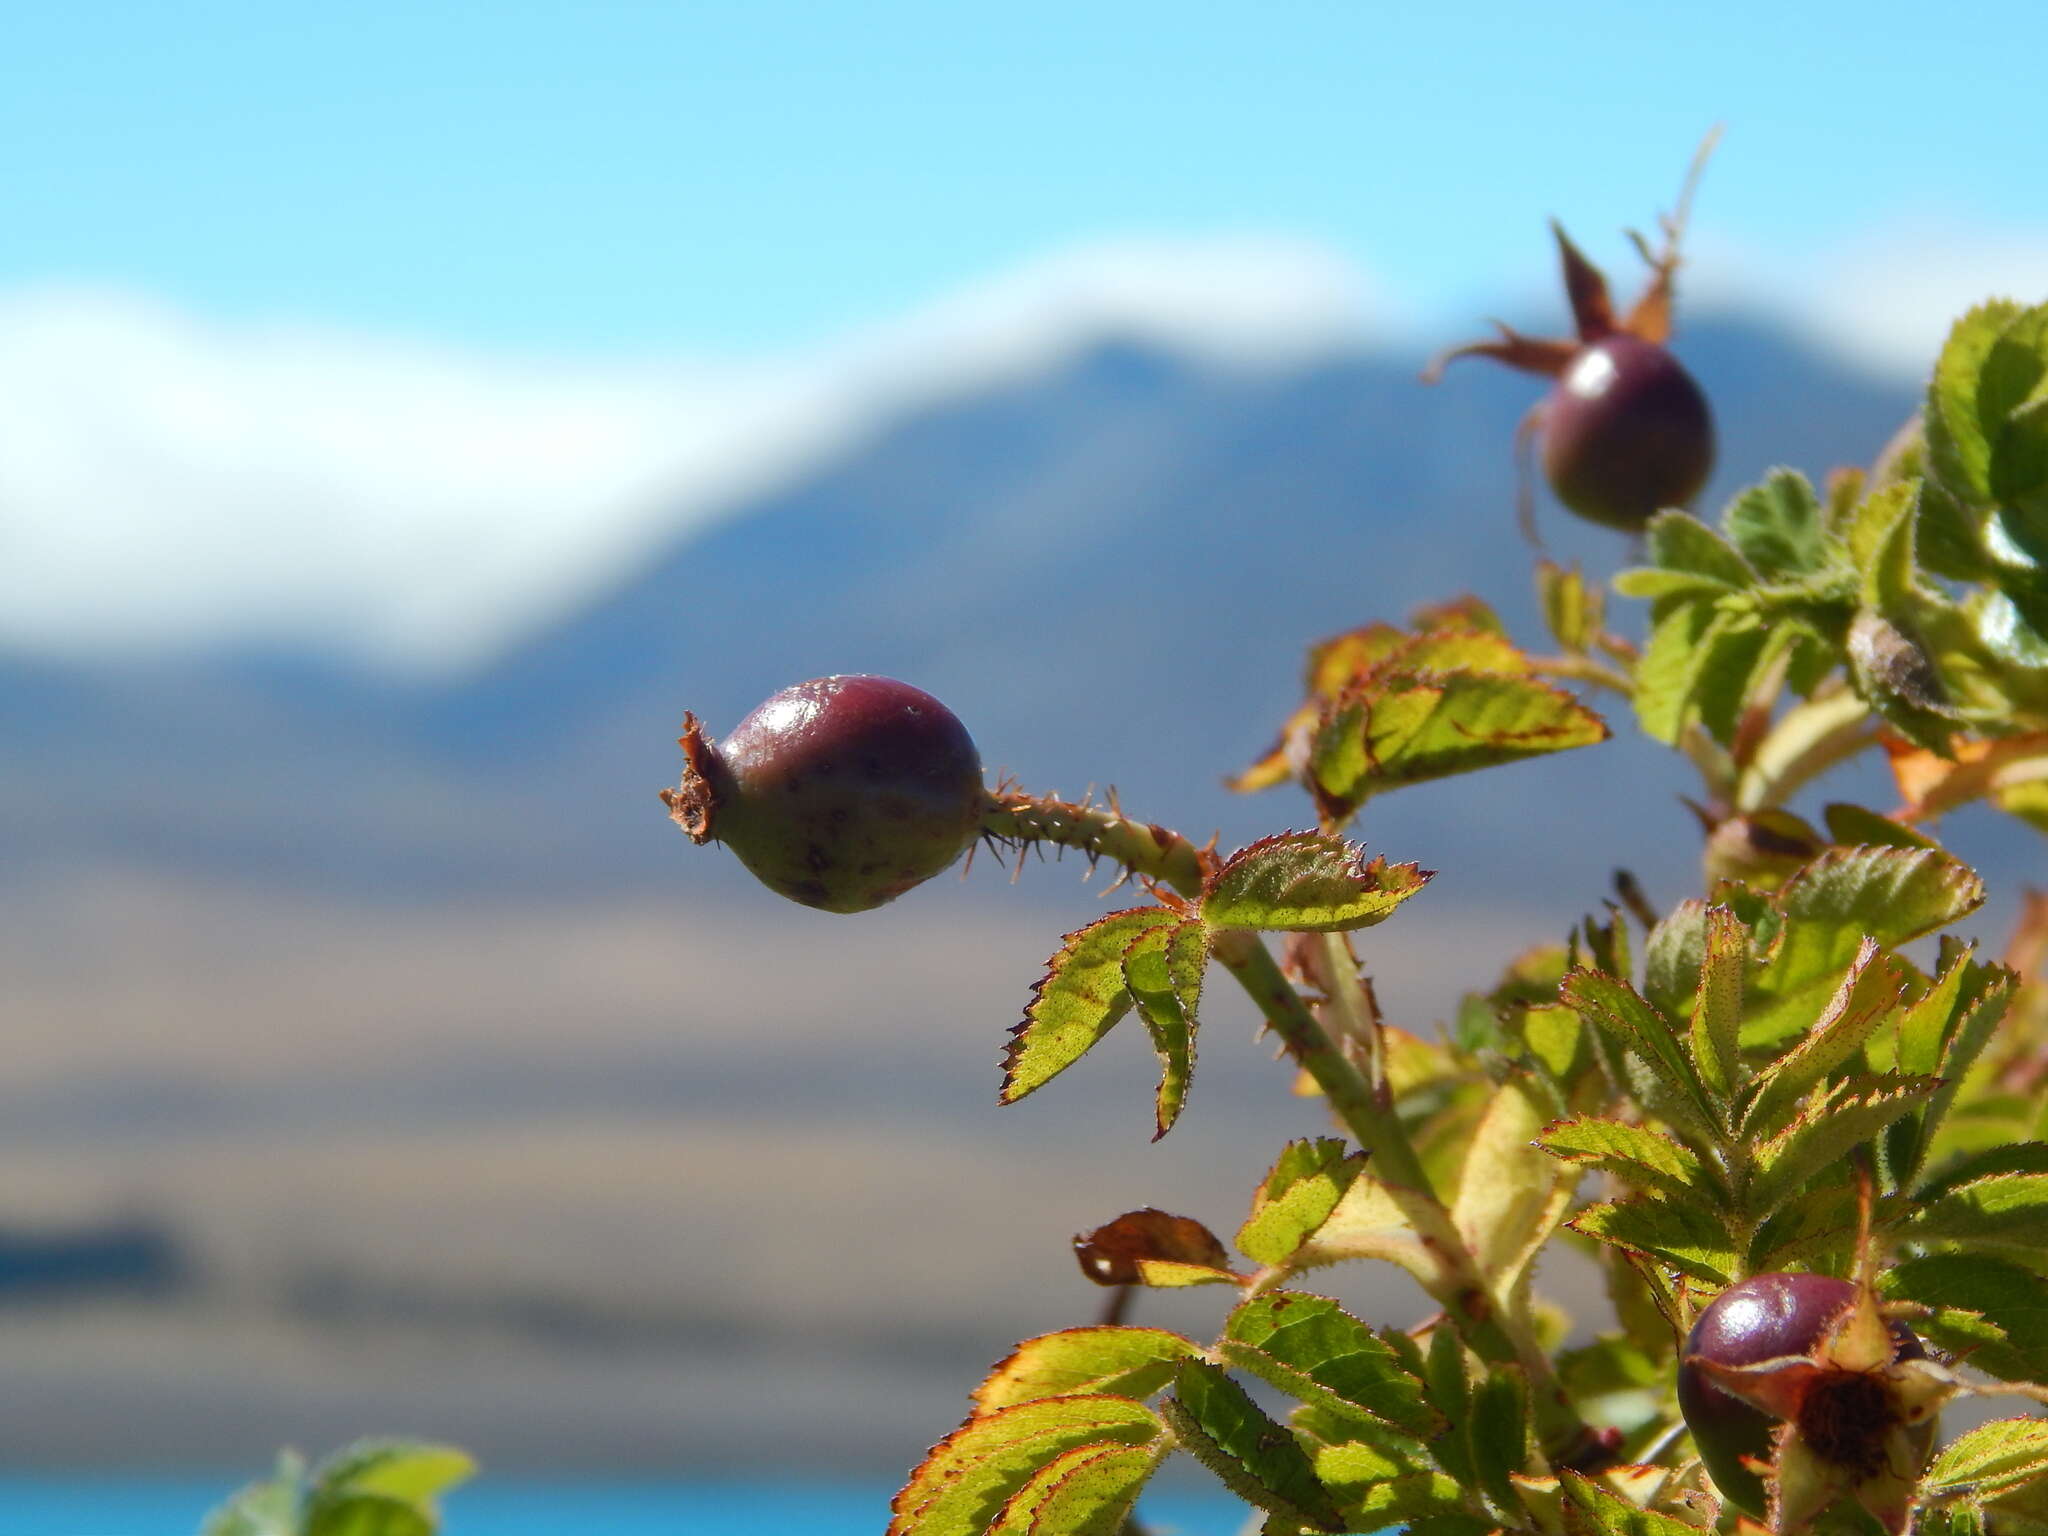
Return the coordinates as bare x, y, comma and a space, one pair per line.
1101, 832
1485, 1320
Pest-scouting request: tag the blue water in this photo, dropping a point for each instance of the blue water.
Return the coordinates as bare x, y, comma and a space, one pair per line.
111, 1506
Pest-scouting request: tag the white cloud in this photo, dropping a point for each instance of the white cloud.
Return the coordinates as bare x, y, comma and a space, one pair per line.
1886, 299
167, 481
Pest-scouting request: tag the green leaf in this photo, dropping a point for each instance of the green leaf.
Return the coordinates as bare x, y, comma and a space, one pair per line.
1893, 895
2009, 1295
1510, 1196
1349, 1467
2017, 1157
1311, 1348
1736, 651
413, 1471
1307, 882
1990, 1458
1680, 1235
1261, 1462
965, 1480
1942, 1032
1958, 443
1778, 526
367, 1514
1121, 1362
1498, 1428
270, 1507
1574, 609
2003, 1211
1591, 1508
1080, 997
1298, 1195
1088, 1491
1670, 669
1647, 1159
1868, 994
1679, 541
1852, 826
1449, 1379
1981, 1003
1614, 1007
1163, 973
1672, 958
1650, 584
1717, 1007
1856, 1113
1447, 723
2012, 391
1420, 1503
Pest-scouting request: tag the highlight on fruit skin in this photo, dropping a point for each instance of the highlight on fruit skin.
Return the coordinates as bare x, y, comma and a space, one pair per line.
1625, 430
1804, 1375
840, 793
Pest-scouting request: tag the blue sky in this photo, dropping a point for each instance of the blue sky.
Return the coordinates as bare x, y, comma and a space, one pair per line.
548, 281
638, 178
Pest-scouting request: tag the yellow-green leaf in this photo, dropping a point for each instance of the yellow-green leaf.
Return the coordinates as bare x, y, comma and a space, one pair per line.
1647, 1159
1682, 1236
1087, 1491
1510, 1196
1260, 1461
1299, 1193
1163, 973
1307, 882
1313, 1349
964, 1481
1080, 997
1991, 1457
1123, 1362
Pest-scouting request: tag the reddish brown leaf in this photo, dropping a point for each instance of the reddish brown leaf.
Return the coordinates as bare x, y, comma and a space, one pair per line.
1110, 1255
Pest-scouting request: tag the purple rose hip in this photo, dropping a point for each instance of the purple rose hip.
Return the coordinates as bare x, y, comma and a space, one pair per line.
841, 793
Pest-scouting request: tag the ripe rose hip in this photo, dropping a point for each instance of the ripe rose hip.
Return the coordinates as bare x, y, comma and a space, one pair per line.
1792, 1342
841, 793
1626, 431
